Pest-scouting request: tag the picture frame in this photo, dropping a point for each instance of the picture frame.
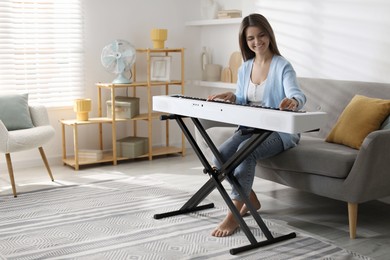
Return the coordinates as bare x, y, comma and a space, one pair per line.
160, 68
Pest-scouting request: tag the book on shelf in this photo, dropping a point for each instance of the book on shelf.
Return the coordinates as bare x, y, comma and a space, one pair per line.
225, 14
91, 154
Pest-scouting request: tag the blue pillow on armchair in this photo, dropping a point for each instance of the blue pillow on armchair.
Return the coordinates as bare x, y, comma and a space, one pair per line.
14, 111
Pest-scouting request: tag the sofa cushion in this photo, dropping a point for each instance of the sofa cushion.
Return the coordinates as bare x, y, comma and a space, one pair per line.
14, 111
360, 117
315, 156
386, 123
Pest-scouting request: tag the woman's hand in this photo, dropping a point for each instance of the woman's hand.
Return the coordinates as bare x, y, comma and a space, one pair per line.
289, 104
227, 97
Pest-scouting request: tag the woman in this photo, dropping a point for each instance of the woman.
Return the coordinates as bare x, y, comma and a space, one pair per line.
267, 79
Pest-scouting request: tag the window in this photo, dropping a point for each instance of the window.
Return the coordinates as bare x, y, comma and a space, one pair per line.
41, 50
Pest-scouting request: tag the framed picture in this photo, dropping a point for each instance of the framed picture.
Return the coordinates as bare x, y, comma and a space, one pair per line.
160, 68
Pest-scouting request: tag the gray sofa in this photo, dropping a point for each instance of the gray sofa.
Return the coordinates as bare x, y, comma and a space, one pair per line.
327, 169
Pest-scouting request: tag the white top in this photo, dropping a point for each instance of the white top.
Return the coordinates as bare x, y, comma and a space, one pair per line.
256, 92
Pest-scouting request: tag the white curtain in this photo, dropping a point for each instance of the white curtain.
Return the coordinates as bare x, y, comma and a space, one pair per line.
41, 50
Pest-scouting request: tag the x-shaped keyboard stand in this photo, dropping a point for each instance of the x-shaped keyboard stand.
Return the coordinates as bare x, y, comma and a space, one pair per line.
217, 176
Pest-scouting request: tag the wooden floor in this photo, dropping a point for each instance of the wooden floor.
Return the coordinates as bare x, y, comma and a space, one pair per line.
318, 216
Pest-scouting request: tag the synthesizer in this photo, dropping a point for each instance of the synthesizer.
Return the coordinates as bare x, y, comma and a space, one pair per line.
259, 117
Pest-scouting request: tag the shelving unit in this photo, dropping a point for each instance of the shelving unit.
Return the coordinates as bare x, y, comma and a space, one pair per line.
214, 22
214, 84
75, 161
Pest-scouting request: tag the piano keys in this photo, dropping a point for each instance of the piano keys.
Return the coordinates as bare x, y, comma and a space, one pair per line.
266, 118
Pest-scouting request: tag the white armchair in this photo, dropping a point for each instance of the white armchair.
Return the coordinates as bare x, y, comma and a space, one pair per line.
25, 139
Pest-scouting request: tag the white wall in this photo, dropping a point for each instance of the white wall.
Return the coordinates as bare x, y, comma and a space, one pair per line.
343, 39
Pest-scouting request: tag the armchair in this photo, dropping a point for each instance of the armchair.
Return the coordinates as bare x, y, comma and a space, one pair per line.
15, 139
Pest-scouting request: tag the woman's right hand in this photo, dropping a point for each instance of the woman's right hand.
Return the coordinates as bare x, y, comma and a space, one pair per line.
227, 97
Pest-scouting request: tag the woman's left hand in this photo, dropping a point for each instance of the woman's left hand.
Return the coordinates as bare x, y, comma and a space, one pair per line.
289, 104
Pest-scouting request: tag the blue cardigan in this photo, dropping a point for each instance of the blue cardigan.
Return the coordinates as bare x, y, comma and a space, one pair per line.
281, 83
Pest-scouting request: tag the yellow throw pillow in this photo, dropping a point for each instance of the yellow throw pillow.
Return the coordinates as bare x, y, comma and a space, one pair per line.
360, 117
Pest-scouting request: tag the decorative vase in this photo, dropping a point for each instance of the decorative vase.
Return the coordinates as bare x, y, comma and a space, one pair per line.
159, 36
208, 9
205, 59
82, 107
213, 72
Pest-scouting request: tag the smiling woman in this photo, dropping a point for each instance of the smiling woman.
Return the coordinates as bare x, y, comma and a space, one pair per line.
267, 79
41, 50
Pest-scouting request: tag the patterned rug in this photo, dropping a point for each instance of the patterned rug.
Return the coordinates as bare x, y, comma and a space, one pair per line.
114, 220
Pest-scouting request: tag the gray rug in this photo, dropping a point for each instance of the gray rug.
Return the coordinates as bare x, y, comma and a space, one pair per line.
114, 220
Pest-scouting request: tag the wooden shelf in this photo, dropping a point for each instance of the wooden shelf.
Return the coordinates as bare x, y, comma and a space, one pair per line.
214, 22
148, 117
166, 150
139, 84
145, 116
91, 121
71, 161
108, 157
159, 50
107, 120
214, 84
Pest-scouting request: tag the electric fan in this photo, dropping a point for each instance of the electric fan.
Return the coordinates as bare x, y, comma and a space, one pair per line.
118, 57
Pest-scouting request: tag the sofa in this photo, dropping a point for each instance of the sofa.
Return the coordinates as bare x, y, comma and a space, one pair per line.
333, 170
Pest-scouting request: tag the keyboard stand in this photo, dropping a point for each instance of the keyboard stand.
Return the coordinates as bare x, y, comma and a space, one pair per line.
216, 178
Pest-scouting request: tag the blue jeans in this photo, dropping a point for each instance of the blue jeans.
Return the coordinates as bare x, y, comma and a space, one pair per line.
245, 172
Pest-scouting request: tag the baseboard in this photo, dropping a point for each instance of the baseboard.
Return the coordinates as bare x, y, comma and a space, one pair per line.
29, 163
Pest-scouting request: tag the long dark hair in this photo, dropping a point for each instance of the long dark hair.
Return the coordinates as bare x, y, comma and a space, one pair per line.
261, 22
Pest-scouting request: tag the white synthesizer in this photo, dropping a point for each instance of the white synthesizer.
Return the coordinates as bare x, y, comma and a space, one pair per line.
251, 116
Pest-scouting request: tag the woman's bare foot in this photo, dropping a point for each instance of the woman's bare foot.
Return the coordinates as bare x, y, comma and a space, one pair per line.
226, 227
229, 224
255, 203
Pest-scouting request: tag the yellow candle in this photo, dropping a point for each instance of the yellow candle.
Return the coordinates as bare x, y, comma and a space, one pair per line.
82, 107
159, 36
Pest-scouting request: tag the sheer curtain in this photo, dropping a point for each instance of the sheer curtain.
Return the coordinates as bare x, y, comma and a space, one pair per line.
41, 50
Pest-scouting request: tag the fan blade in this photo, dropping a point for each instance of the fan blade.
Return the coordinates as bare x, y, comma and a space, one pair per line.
115, 46
109, 61
130, 59
120, 66
128, 53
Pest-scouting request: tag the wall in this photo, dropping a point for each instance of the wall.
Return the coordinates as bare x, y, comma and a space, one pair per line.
347, 39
